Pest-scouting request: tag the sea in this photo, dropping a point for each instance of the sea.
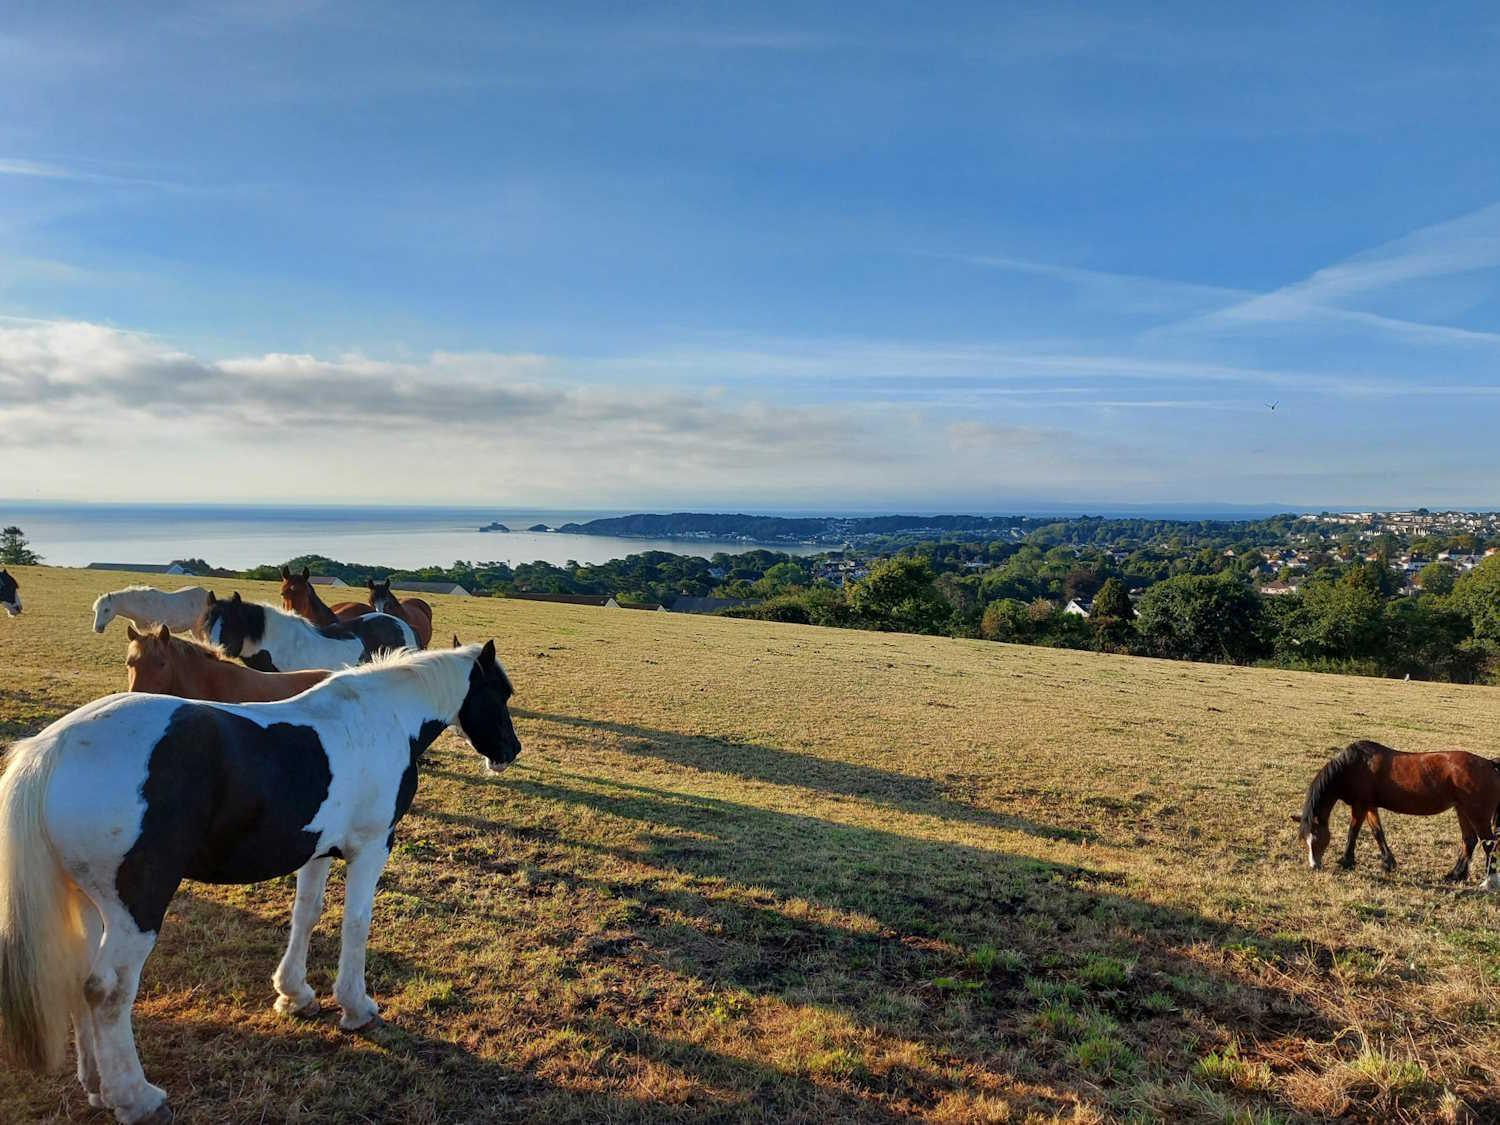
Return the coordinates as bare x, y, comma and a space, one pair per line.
237, 537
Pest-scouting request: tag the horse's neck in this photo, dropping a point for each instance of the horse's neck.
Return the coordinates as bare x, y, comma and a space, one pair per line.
193, 676
284, 636
320, 612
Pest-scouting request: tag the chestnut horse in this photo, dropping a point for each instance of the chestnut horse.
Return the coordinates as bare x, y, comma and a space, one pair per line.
161, 664
1371, 777
300, 596
414, 611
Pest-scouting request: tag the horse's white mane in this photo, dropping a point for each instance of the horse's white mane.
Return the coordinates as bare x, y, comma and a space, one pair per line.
441, 675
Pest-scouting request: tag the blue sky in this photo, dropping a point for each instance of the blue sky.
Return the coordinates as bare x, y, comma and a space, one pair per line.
888, 256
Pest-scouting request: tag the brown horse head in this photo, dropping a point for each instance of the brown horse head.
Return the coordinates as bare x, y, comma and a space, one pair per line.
297, 592
148, 661
381, 597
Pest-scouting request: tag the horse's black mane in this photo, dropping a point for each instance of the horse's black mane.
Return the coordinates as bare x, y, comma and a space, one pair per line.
1355, 752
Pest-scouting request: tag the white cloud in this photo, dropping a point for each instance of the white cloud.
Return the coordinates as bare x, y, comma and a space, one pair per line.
83, 398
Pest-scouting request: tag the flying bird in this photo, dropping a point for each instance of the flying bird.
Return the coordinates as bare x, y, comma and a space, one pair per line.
1273, 405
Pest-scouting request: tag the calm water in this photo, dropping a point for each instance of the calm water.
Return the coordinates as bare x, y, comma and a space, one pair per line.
240, 537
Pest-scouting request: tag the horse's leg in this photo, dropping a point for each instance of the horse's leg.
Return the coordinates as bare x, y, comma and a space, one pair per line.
1471, 835
82, 1015
1489, 861
1387, 857
359, 898
293, 996
1356, 818
110, 992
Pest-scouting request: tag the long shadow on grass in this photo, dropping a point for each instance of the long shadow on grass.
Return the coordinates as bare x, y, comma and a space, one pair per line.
966, 950
809, 771
240, 1064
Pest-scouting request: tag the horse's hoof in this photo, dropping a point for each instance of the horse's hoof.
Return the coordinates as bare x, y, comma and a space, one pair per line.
309, 1011
97, 1101
161, 1115
371, 1024
1346, 865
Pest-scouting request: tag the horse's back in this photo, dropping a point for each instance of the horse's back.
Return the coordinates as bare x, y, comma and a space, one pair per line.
1424, 784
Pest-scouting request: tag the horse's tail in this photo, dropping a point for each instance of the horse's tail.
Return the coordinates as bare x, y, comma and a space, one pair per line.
42, 953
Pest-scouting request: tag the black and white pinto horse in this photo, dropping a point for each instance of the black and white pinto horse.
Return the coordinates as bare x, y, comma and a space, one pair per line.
10, 593
106, 811
273, 640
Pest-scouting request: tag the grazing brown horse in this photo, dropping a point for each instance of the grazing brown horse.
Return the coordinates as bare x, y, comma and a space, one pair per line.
414, 611
1370, 777
300, 596
161, 664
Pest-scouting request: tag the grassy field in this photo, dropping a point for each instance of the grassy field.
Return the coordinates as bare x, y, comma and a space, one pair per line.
752, 871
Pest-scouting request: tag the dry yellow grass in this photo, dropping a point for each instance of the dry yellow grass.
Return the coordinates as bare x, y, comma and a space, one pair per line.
751, 871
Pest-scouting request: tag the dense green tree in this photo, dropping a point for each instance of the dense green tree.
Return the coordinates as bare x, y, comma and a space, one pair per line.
1477, 596
1005, 619
899, 596
1113, 601
14, 550
1200, 617
1345, 620
1437, 578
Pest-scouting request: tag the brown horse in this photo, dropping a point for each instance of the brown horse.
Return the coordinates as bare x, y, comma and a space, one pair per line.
161, 664
300, 596
1371, 777
414, 611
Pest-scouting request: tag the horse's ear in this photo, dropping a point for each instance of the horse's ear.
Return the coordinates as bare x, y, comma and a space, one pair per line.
455, 641
285, 573
235, 597
306, 574
131, 634
370, 582
163, 634
211, 598
487, 654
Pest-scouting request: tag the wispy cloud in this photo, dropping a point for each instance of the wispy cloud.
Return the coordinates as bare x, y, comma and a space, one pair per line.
43, 170
1464, 245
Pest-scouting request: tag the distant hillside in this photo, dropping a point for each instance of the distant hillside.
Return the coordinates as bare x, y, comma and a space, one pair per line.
777, 529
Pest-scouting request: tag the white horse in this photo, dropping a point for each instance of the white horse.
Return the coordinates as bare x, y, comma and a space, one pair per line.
146, 606
106, 811
273, 640
10, 593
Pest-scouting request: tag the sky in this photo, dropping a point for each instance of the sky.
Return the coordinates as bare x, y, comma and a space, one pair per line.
704, 255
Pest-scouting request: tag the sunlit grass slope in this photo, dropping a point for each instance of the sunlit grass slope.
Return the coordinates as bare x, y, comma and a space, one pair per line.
753, 871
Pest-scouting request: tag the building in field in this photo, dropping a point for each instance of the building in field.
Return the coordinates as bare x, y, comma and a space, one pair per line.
140, 568
600, 601
453, 589
1079, 607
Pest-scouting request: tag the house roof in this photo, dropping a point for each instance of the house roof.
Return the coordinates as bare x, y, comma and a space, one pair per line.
565, 599
641, 605
141, 568
327, 580
432, 588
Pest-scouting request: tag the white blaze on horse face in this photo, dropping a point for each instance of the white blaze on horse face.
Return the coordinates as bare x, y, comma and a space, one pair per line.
1311, 858
103, 612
